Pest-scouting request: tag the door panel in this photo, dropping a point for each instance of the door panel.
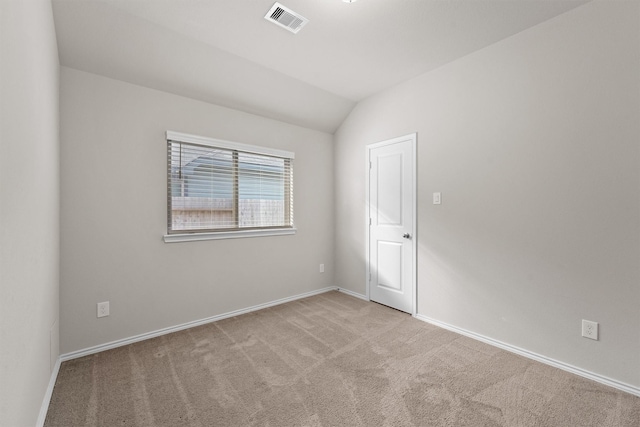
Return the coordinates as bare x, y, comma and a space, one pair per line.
391, 219
389, 264
388, 181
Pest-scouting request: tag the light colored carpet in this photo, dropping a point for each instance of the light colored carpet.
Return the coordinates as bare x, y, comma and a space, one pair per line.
327, 360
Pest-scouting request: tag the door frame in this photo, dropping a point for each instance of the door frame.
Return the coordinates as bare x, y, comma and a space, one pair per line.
413, 137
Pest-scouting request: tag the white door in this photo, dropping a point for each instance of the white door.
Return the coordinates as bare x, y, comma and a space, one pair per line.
391, 209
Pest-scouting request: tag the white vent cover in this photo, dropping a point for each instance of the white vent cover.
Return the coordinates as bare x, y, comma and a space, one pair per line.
286, 18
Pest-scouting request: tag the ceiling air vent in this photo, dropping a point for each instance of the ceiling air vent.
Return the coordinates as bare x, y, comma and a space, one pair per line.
286, 18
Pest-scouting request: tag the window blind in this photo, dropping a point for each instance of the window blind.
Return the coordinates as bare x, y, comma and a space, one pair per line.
223, 186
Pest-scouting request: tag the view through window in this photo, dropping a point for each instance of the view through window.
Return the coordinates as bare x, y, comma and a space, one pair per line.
214, 188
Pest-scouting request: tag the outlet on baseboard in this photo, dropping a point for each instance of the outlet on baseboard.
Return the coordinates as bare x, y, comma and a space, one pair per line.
590, 329
103, 309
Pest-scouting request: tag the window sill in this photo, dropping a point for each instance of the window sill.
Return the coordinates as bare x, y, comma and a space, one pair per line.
190, 237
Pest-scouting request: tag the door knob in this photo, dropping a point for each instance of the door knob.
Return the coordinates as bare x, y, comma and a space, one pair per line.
406, 235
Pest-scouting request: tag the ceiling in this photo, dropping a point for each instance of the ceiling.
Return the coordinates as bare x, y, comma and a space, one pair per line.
225, 52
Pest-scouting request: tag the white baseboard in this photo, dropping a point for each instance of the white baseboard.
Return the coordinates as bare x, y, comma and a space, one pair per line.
537, 357
171, 329
353, 294
48, 393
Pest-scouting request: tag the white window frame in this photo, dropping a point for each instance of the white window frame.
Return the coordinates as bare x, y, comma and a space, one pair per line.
231, 234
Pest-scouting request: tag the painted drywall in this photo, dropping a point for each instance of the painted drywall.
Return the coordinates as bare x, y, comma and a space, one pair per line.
29, 208
534, 144
161, 58
113, 208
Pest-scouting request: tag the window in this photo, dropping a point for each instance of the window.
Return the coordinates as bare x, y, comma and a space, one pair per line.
222, 189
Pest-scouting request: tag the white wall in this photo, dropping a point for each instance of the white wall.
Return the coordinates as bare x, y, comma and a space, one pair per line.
29, 207
534, 143
113, 207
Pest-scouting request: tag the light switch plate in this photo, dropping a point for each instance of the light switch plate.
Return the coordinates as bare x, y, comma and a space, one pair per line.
437, 198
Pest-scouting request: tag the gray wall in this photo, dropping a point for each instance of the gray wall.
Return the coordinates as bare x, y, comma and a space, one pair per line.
534, 144
113, 207
29, 208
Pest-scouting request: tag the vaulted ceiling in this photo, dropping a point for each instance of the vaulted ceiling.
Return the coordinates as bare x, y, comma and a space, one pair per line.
225, 52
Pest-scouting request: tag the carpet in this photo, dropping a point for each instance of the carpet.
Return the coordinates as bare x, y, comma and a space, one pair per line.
326, 360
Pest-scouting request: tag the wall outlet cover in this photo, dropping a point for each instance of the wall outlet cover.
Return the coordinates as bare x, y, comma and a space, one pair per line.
103, 309
590, 329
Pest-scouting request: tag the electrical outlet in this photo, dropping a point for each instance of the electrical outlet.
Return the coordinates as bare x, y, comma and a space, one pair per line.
103, 309
321, 268
590, 329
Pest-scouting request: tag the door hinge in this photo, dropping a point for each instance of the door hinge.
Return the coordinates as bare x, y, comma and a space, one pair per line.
370, 166
370, 221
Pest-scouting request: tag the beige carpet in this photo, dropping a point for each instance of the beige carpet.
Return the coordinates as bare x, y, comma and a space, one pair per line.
328, 360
